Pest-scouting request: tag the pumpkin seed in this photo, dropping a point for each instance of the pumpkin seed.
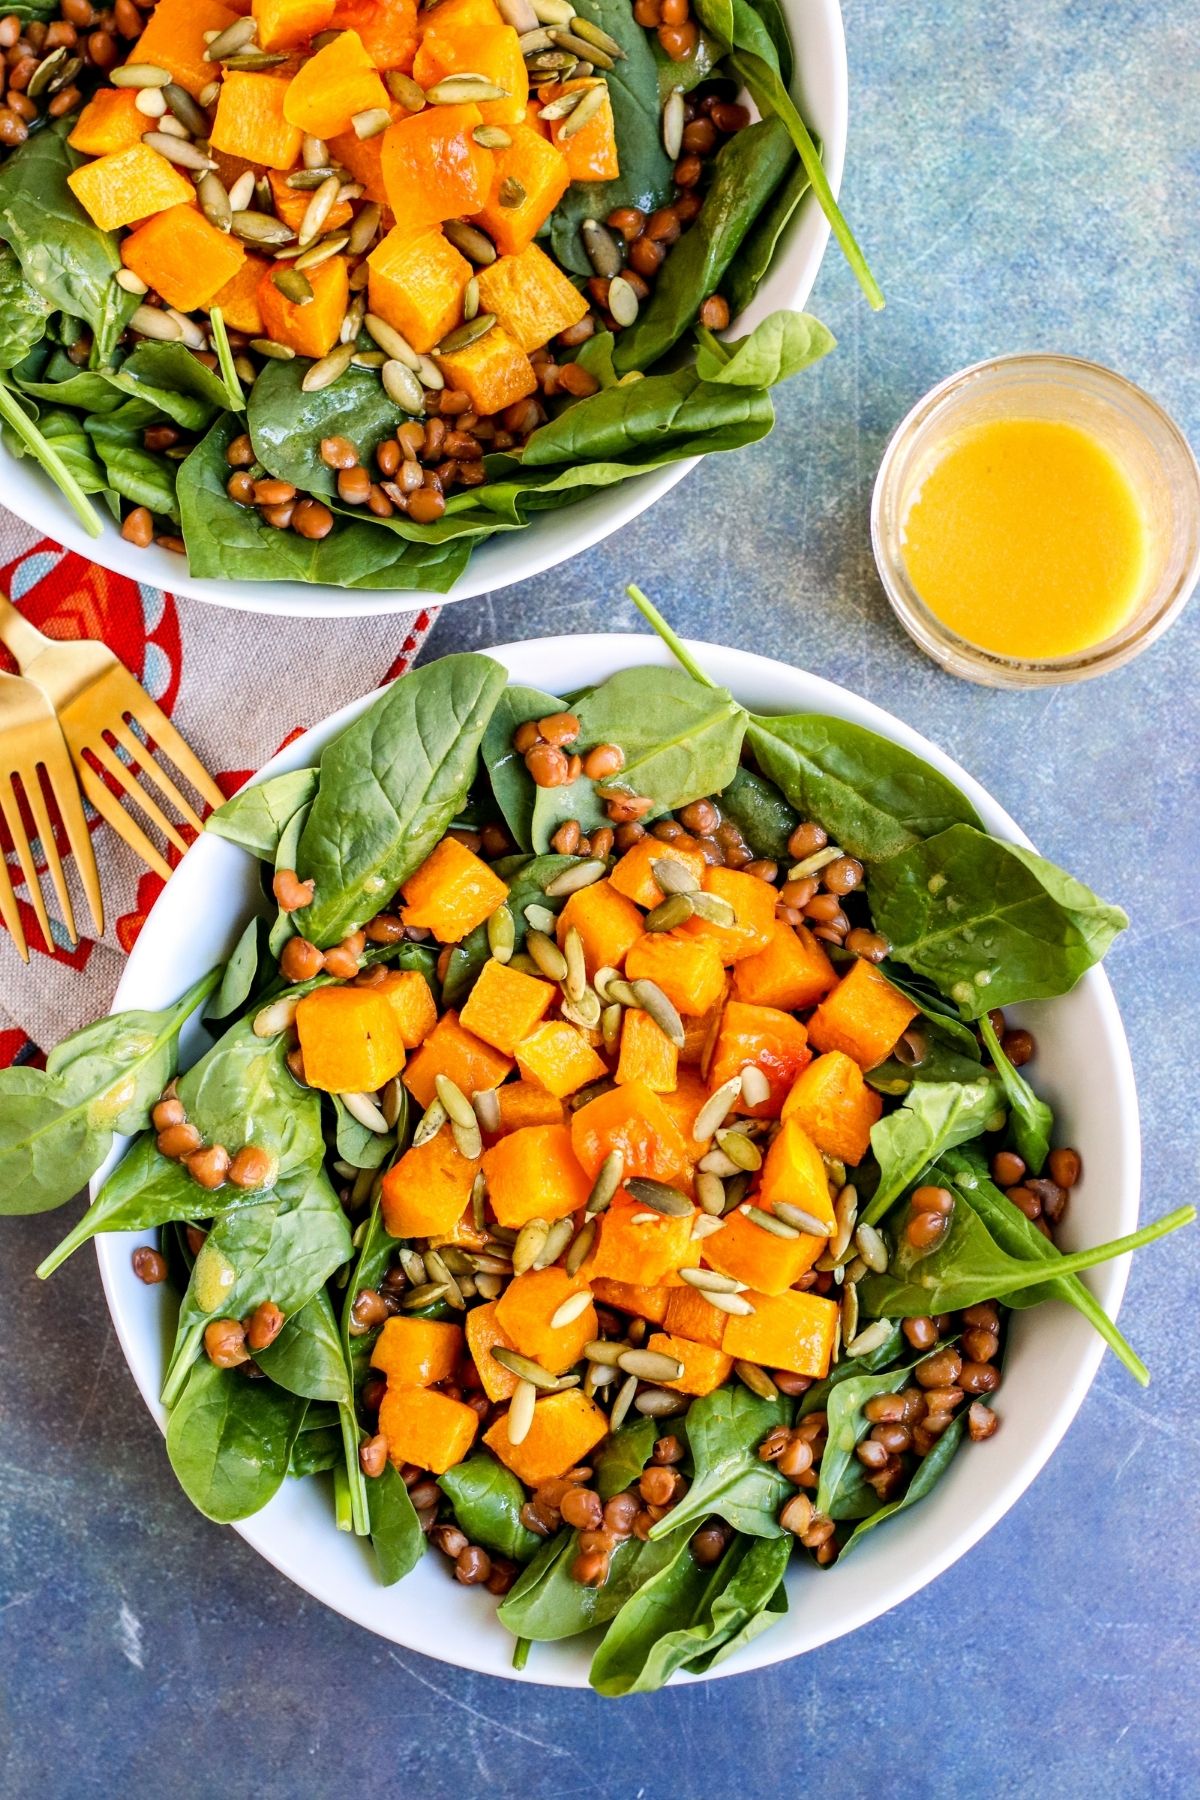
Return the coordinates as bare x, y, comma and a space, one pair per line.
571, 1309
492, 137
276, 352
715, 1162
260, 228
673, 123
657, 1403
364, 1109
623, 1402
413, 1265
650, 997
596, 37
425, 1295
597, 1377
250, 60
242, 191
756, 1379
278, 1016
401, 386
150, 322
362, 233
535, 39
512, 192
314, 152
849, 1312
431, 377
609, 1177
554, 65
318, 210
292, 285
439, 1271
855, 1270
539, 918
370, 123
140, 75
486, 1105
716, 1108
802, 1220
525, 1368
150, 103
872, 1248
179, 151
676, 910
501, 933
570, 881
167, 122
610, 1025
660, 1196
845, 1212
575, 980
708, 906
210, 94
307, 181
710, 1192
768, 1222
464, 89
214, 201
709, 1281
457, 1106
564, 104
547, 955
812, 865
706, 1225
580, 1246
235, 37
735, 1304
520, 1412
327, 369
517, 13
531, 1241
390, 340
593, 99
321, 251
620, 991
473, 243
487, 1264
133, 284
592, 1091
601, 248
264, 196
872, 1337
557, 1239
470, 302
186, 110
489, 1287
756, 1089
741, 1149
579, 47
429, 1124
673, 877
468, 1139
404, 89
391, 1101
600, 980
650, 1365
607, 1352
553, 12
584, 1012
467, 334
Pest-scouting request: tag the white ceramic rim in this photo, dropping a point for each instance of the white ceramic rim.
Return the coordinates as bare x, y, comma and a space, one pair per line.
943, 1539
821, 89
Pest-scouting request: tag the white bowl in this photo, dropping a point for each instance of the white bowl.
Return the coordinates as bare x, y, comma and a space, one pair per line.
1083, 1068
820, 88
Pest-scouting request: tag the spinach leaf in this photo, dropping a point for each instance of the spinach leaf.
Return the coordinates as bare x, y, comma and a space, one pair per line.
925, 1477
843, 1492
760, 812
1030, 1119
306, 1358
20, 428
286, 424
173, 380
645, 178
388, 787
622, 1457
771, 14
374, 1255
317, 1449
64, 256
24, 312
547, 1603
256, 815
64, 431
624, 430
783, 345
487, 1499
989, 923
358, 1144
287, 856
746, 170
757, 250
949, 1049
238, 976
933, 1117
749, 1609
57, 1123
63, 384
242, 1092
230, 1441
396, 1535
512, 784
724, 1430
146, 477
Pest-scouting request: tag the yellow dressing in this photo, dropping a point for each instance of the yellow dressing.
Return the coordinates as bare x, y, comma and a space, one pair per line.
1026, 537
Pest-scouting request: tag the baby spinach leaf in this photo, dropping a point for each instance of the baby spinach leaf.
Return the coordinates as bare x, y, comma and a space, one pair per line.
171, 378
20, 428
57, 1124
306, 1358
624, 430
843, 1492
622, 1457
1030, 1119
783, 345
874, 798
771, 14
941, 1061
144, 476
287, 424
767, 1606
24, 311
64, 432
375, 1250
989, 923
63, 384
760, 812
317, 1449
925, 1477
746, 170
487, 1499
396, 1535
256, 816
388, 787
238, 976
512, 784
242, 1092
724, 1430
287, 856
757, 249
230, 1441
698, 67
358, 1144
547, 1603
933, 1117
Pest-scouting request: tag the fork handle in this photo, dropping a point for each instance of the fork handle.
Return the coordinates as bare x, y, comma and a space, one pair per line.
23, 639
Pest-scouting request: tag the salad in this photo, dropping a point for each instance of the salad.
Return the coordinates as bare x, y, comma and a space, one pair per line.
333, 290
612, 1167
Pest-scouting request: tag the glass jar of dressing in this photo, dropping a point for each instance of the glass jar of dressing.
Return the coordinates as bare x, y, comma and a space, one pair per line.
1036, 519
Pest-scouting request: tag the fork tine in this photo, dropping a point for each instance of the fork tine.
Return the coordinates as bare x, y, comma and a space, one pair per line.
155, 723
65, 789
143, 757
115, 767
10, 912
45, 831
16, 828
111, 810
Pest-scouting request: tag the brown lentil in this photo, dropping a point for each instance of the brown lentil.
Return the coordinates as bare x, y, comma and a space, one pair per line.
300, 960
149, 1265
208, 1166
178, 1141
264, 1325
1066, 1166
225, 1343
1007, 1168
1019, 1047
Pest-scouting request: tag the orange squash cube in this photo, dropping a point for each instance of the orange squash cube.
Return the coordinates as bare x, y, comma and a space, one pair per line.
791, 973
633, 1120
182, 257
785, 1331
238, 299
753, 902
864, 1015
176, 37
332, 86
793, 1171
505, 1005
834, 1106
565, 1427
688, 970
493, 51
559, 1058
769, 1040
452, 892
493, 372
426, 1428
527, 1103
349, 1039
534, 1174
408, 994
542, 172
690, 1315
109, 122
388, 29
416, 283
127, 185
417, 1352
606, 920
591, 152
291, 204
531, 297
432, 167
700, 1035
647, 1053
251, 121
283, 24
425, 1193
642, 1302
703, 1367
640, 1248
363, 158
449, 1050
750, 1254
311, 329
534, 120
484, 1331
526, 1307
683, 1103
463, 1235
633, 875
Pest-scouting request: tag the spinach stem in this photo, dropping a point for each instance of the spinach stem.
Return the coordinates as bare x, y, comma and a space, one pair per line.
359, 1520
342, 1504
51, 461
674, 644
229, 375
520, 1655
1135, 1240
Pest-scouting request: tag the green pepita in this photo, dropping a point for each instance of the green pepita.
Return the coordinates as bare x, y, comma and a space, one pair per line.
670, 913
465, 89
470, 301
404, 89
708, 906
429, 1124
659, 1196
601, 248
580, 1247
531, 1241
673, 877
802, 1220
140, 75
474, 244
673, 119
214, 201
609, 1177
371, 123
390, 341
274, 352
467, 334
512, 192
235, 37
572, 880
578, 47
292, 285
425, 1295
650, 997
547, 955
768, 1222
756, 1379
501, 933
260, 228
575, 980
520, 1412
458, 1107
180, 151
710, 1281
492, 137
593, 99
328, 369
186, 110
401, 386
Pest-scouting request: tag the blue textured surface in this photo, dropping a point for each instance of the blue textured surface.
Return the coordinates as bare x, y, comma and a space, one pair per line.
1023, 177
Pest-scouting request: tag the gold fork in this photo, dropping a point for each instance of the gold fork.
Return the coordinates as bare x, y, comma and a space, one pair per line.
94, 694
30, 741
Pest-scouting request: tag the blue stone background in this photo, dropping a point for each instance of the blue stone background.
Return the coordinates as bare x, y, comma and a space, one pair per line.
1023, 176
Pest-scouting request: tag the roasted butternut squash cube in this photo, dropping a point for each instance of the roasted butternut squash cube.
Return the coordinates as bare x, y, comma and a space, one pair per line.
534, 120
417, 1352
565, 1427
591, 152
633, 874
291, 204
527, 1103
540, 173
493, 372
483, 1332
750, 1254
531, 297
700, 1035
534, 1174
771, 1041
449, 1050
349, 1038
425, 1192
688, 970
182, 257
559, 1058
176, 37
785, 1331
641, 1248
792, 971
505, 1005
238, 299
493, 51
416, 283
864, 1015
642, 1302
408, 994
388, 29
127, 185
251, 121
426, 1428
683, 1103
463, 1235
793, 1171
647, 1053
607, 922
690, 1315
283, 24
432, 167
835, 1107
109, 122
527, 1306
753, 902
703, 1367
452, 892
363, 158
311, 329
633, 1120
332, 86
